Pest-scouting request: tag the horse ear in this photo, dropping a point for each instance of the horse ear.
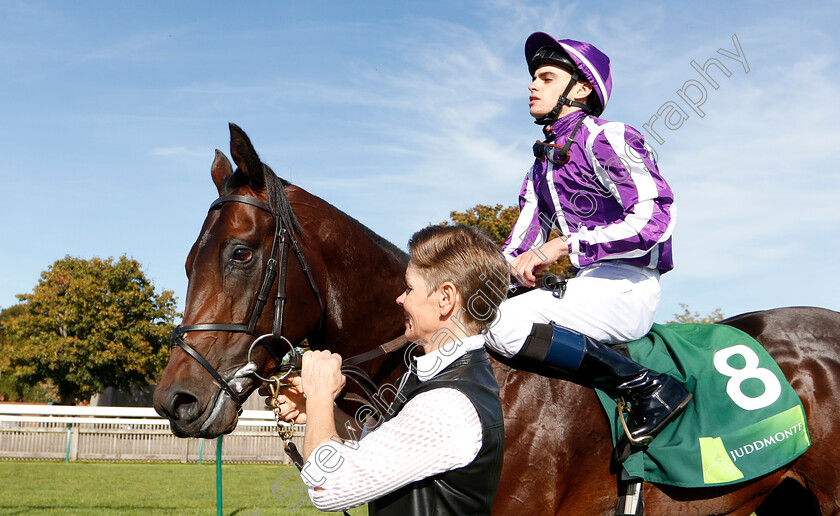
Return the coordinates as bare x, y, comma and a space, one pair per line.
220, 171
246, 157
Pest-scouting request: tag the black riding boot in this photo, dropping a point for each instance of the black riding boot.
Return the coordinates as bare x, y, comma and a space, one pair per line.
655, 398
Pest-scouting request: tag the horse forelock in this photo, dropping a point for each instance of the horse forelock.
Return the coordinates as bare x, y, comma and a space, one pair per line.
275, 188
275, 191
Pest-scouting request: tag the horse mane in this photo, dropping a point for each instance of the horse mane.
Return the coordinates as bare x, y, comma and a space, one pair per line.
282, 208
384, 243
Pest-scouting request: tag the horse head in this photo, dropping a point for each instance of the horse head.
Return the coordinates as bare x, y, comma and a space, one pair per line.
259, 271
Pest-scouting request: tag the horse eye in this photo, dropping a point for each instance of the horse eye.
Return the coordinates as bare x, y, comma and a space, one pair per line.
242, 255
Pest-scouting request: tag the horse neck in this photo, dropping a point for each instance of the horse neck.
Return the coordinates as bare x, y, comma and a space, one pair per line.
360, 276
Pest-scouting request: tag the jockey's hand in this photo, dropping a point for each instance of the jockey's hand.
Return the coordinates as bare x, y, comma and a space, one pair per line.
528, 265
321, 374
291, 401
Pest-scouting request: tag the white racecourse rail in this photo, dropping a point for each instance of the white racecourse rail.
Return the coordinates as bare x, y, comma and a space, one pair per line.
59, 432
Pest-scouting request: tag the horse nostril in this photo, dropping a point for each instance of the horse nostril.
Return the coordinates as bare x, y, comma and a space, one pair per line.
184, 407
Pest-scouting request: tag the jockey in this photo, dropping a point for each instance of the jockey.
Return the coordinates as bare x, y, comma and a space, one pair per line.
440, 448
598, 183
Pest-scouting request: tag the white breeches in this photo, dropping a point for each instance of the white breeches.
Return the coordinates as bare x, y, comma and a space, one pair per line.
610, 302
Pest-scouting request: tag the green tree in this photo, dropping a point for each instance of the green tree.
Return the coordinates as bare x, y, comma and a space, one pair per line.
498, 222
9, 390
688, 317
87, 325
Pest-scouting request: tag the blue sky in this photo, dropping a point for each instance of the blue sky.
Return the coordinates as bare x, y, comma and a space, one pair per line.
398, 113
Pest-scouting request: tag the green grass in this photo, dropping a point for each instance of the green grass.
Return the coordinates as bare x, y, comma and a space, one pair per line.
80, 488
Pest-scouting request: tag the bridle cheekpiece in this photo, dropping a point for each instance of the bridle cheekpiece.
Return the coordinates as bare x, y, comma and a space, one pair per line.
284, 239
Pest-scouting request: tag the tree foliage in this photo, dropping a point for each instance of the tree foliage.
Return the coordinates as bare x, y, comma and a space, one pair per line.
688, 317
498, 221
9, 389
87, 325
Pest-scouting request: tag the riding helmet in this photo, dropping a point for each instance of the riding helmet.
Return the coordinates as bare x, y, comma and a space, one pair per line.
542, 48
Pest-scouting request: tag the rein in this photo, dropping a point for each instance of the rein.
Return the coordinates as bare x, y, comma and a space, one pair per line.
351, 370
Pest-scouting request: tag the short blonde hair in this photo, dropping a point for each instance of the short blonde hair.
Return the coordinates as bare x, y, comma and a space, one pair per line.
465, 256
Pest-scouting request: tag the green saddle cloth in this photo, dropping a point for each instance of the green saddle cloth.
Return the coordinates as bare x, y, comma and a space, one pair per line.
744, 421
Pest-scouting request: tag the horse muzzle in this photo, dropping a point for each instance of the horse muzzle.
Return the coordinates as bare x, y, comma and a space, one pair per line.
195, 409
190, 417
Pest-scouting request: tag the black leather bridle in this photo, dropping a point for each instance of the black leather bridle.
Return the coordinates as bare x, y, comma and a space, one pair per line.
278, 258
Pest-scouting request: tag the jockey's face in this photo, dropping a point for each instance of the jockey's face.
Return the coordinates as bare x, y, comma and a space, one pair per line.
422, 308
549, 83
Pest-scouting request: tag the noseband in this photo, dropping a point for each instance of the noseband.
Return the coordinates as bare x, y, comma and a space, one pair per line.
283, 240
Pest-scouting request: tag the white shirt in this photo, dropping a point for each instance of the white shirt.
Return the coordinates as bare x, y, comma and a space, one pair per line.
436, 431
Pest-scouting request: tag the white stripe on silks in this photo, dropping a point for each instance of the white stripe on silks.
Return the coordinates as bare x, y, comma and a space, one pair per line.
595, 237
654, 257
639, 173
636, 253
592, 69
600, 172
575, 259
628, 228
559, 216
525, 219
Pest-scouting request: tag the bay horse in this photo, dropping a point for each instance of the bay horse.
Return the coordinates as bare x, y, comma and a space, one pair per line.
342, 283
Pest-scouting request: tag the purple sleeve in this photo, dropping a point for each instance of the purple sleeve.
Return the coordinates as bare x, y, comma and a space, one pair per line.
527, 231
627, 168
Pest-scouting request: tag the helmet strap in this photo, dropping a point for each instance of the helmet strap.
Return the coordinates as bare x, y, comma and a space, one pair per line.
563, 100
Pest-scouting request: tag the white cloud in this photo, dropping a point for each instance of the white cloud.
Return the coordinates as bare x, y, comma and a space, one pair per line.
179, 151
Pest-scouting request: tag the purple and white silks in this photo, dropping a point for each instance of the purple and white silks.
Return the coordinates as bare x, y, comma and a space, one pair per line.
609, 199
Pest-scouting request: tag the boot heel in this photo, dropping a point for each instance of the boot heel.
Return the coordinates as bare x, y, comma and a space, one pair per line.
655, 411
